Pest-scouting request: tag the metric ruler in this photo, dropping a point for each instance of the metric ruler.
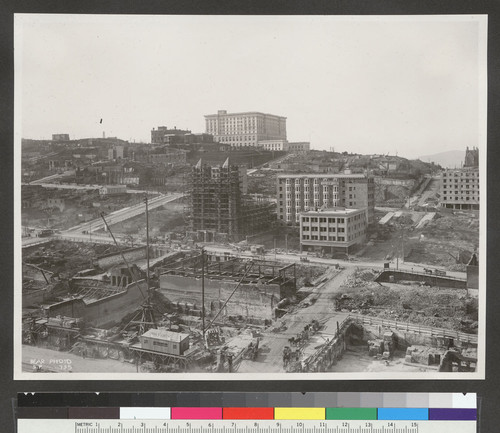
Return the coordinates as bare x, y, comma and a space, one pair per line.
241, 426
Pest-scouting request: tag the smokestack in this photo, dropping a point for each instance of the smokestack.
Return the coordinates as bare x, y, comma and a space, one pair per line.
103, 134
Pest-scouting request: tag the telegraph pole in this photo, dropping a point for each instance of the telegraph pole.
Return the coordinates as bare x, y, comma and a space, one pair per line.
147, 244
203, 293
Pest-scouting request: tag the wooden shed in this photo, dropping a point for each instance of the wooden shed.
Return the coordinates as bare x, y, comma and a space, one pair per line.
161, 340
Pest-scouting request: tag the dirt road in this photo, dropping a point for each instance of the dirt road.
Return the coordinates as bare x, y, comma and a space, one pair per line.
270, 357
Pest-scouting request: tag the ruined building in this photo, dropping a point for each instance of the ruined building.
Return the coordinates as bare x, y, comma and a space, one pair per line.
218, 203
471, 157
259, 285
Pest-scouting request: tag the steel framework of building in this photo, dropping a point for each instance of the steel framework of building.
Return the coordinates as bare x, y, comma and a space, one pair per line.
216, 203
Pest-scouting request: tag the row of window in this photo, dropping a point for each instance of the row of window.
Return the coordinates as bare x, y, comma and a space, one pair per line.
475, 181
351, 237
324, 238
457, 191
462, 198
323, 220
323, 229
238, 138
318, 178
161, 344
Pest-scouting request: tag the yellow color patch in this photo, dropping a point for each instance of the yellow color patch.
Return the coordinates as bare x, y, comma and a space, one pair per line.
299, 413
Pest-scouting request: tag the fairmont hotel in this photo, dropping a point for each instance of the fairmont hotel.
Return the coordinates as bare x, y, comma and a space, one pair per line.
245, 129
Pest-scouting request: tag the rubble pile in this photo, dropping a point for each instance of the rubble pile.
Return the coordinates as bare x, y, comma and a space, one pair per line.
361, 278
440, 308
423, 355
65, 257
306, 275
383, 347
375, 347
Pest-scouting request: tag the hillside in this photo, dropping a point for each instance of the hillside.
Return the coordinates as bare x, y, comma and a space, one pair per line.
450, 159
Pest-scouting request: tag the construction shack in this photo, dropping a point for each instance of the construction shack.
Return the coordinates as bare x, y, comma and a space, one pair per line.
161, 340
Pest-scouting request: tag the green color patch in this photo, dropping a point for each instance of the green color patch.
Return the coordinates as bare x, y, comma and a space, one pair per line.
347, 413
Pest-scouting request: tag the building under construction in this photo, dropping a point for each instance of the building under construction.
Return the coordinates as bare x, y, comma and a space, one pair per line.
249, 290
218, 203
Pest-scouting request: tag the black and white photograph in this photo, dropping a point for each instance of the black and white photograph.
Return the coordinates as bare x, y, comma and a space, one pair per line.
250, 197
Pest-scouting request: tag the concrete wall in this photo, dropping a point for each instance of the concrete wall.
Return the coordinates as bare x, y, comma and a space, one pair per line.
131, 255
410, 338
34, 297
333, 350
250, 300
389, 181
432, 280
103, 312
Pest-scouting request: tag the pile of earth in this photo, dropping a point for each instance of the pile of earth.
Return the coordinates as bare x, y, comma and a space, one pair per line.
66, 258
429, 306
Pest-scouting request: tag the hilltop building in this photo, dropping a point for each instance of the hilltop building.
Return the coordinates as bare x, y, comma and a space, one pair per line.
286, 146
460, 187
164, 135
305, 192
60, 137
245, 129
116, 152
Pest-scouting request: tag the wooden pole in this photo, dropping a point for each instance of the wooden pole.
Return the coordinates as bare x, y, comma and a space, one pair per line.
203, 293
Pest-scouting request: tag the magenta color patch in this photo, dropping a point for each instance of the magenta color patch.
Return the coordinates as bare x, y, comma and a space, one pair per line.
196, 413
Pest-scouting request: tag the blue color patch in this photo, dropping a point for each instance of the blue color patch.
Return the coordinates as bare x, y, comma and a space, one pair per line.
403, 414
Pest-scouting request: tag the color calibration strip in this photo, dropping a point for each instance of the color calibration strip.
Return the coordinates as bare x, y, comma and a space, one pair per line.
249, 399
257, 413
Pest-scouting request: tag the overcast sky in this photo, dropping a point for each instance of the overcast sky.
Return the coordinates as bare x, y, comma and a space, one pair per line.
363, 85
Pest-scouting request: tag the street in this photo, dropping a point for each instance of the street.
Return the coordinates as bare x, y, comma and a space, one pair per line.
270, 358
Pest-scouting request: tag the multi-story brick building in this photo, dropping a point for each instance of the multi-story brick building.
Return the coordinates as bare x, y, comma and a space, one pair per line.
304, 192
164, 135
299, 146
332, 230
116, 152
460, 187
245, 129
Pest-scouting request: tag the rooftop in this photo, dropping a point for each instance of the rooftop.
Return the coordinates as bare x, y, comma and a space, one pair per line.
323, 175
224, 113
163, 334
334, 211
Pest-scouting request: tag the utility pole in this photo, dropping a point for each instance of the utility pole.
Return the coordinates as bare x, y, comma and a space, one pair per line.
203, 292
402, 245
147, 244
